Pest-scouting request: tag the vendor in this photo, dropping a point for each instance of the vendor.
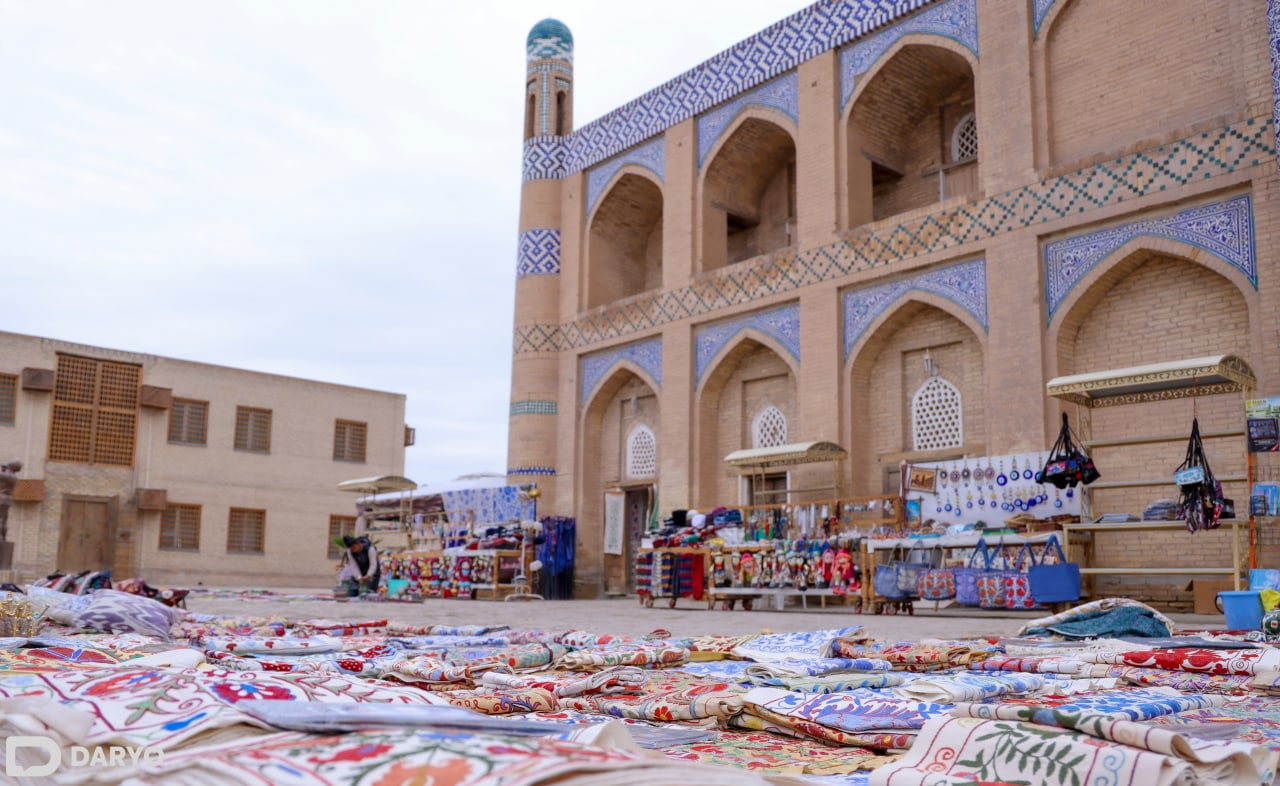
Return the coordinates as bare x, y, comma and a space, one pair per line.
360, 572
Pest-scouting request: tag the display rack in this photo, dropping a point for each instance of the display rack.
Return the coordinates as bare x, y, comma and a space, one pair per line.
1263, 424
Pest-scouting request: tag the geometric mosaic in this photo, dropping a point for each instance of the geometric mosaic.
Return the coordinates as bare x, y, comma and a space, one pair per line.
782, 94
1040, 11
958, 229
646, 354
533, 407
1224, 229
1273, 32
530, 471
781, 324
964, 284
543, 158
954, 19
651, 155
538, 253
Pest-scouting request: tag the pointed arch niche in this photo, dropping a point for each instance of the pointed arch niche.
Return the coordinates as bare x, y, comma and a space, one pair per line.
889, 386
749, 379
624, 240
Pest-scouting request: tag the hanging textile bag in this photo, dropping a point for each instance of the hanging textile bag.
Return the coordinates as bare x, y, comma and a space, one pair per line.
1200, 501
1068, 464
1017, 583
1054, 582
966, 578
936, 583
886, 582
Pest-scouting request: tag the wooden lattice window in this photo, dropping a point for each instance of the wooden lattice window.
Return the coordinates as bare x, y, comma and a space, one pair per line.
349, 438
253, 429
964, 139
769, 429
642, 453
180, 528
937, 416
8, 398
189, 421
95, 411
339, 526
246, 531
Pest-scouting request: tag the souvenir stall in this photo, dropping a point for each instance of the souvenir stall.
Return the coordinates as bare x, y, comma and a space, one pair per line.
1110, 522
967, 517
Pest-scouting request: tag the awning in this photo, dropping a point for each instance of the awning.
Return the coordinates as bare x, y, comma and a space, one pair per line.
378, 484
1157, 382
782, 455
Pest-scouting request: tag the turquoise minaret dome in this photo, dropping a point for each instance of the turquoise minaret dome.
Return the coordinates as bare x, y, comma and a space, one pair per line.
550, 39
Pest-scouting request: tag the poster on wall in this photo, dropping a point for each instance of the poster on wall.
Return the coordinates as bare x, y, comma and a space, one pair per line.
1262, 416
615, 508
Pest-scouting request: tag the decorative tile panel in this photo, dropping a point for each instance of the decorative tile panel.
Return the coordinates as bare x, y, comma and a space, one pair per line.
964, 284
1224, 229
1041, 10
959, 229
781, 324
531, 407
544, 158
1273, 30
651, 155
539, 253
954, 19
782, 94
514, 471
645, 354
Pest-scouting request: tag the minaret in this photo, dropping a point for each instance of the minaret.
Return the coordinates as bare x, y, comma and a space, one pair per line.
548, 119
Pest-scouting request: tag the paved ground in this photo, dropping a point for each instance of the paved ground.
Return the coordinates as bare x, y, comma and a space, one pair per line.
626, 616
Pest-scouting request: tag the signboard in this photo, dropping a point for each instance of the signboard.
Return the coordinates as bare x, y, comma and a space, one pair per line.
1262, 417
615, 510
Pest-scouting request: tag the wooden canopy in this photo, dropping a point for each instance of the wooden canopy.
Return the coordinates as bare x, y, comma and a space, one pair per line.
378, 484
785, 455
1156, 382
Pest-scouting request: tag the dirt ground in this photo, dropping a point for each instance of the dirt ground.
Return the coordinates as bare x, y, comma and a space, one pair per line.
625, 616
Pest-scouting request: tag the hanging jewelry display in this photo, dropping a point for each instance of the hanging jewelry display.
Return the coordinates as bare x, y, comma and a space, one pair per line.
1002, 479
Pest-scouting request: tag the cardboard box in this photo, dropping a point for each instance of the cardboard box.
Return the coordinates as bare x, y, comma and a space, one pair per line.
1204, 593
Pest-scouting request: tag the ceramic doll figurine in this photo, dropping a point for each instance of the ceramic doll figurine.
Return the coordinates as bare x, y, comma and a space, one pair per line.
735, 565
749, 576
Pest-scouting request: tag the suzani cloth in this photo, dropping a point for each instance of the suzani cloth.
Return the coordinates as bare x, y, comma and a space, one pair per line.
763, 752
858, 711
968, 686
786, 646
1131, 705
1205, 661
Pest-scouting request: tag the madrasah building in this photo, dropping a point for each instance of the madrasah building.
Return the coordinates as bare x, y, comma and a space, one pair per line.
888, 225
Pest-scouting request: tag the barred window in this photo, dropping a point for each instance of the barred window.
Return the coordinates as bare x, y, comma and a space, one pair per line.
95, 411
253, 429
189, 421
964, 139
339, 526
8, 398
180, 528
937, 416
769, 429
349, 439
246, 531
642, 453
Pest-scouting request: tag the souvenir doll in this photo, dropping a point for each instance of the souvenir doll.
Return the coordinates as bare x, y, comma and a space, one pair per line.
718, 576
749, 576
735, 563
464, 578
841, 572
825, 570
782, 573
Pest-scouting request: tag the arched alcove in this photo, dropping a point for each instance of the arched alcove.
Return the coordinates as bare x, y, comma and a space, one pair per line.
749, 194
624, 245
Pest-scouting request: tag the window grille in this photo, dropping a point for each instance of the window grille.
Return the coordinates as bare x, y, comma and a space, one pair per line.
95, 411
642, 453
769, 428
253, 429
189, 421
246, 531
339, 526
180, 528
937, 419
8, 398
964, 139
349, 438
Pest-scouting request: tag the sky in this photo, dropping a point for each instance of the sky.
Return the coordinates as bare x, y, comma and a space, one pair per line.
325, 190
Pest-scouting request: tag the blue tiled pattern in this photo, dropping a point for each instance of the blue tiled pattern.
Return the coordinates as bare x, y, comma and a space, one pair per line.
646, 354
955, 19
651, 155
1224, 229
490, 506
1041, 10
1273, 29
544, 158
964, 284
538, 253
782, 324
549, 49
531, 471
782, 94
775, 50
532, 407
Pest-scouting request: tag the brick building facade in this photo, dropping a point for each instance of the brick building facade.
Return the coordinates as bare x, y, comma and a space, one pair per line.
770, 244
182, 472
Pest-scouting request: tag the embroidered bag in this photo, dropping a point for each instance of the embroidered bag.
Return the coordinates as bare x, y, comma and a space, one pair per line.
966, 578
1017, 584
1054, 582
886, 583
936, 583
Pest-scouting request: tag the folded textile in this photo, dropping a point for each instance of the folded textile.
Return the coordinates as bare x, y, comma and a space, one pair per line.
637, 654
1131, 705
503, 702
275, 645
1254, 719
810, 667
761, 718
708, 700
1213, 661
968, 686
1031, 664
714, 647
1105, 618
1185, 681
856, 711
762, 752
800, 644
835, 683
908, 656
952, 750
619, 679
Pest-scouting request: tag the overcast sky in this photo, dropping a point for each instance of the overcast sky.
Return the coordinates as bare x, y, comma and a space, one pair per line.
327, 190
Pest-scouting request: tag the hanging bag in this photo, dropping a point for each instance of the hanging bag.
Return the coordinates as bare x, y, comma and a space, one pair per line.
1068, 464
1054, 582
1200, 501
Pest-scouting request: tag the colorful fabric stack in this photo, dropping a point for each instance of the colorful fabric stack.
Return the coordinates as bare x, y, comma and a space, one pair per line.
261, 701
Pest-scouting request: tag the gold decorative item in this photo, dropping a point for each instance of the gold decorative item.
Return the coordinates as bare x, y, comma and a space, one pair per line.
20, 617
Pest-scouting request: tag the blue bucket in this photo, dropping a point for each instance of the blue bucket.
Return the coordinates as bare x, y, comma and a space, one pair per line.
1243, 609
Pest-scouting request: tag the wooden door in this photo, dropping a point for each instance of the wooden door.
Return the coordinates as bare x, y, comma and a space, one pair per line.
637, 524
86, 540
